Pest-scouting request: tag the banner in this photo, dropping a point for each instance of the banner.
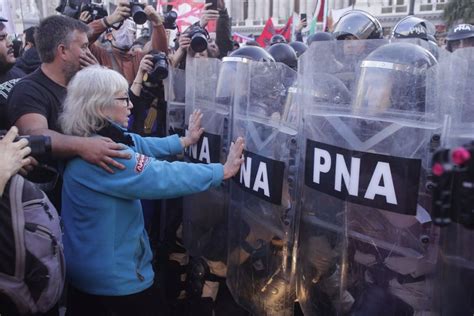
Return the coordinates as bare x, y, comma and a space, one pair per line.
189, 12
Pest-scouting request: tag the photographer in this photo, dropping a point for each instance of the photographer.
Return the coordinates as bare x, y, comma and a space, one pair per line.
215, 49
119, 56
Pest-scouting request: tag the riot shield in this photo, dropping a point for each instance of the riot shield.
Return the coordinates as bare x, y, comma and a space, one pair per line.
453, 205
204, 214
261, 214
341, 58
175, 95
367, 245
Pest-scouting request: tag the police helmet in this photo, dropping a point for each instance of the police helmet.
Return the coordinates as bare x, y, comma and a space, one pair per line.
254, 53
319, 37
284, 53
413, 27
277, 38
359, 24
459, 34
393, 76
299, 47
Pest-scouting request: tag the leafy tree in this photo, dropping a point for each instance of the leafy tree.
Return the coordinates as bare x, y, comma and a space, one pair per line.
459, 10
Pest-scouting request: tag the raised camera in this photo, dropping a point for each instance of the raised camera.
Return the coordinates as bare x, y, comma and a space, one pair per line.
170, 20
199, 37
160, 68
139, 16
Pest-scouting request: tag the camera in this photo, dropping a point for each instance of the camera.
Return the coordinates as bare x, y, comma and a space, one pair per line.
139, 16
40, 145
95, 10
170, 20
160, 68
198, 37
74, 9
453, 186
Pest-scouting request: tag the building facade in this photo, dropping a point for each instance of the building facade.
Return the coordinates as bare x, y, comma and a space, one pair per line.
249, 16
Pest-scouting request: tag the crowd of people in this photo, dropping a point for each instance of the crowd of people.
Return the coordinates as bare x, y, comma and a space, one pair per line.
91, 87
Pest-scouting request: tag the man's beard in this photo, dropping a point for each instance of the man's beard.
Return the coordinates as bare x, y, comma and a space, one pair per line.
70, 70
5, 66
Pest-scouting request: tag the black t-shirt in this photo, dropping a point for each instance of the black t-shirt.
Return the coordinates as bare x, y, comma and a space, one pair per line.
36, 93
7, 82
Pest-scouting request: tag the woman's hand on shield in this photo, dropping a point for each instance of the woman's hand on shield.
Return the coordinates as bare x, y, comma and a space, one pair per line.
234, 159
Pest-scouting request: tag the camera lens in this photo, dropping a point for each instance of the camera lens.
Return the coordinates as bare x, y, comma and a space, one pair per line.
160, 68
199, 42
139, 16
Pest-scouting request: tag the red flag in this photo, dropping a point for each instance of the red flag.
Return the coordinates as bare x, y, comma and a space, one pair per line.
286, 30
268, 31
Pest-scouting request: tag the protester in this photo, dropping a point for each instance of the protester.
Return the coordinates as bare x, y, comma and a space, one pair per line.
107, 272
9, 74
35, 102
29, 60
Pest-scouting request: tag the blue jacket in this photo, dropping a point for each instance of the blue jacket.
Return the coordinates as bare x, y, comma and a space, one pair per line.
106, 246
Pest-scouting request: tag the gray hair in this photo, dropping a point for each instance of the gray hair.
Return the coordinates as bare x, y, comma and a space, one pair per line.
89, 93
54, 31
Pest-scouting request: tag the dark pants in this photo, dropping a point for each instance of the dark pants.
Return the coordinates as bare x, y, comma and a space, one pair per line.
145, 303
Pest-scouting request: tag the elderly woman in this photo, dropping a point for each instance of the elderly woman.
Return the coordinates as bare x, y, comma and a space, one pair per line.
107, 251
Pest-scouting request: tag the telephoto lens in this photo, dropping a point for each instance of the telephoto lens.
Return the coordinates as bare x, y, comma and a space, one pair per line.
139, 16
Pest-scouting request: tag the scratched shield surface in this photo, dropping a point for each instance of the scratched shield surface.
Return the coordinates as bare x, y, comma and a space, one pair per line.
262, 207
205, 214
365, 230
455, 273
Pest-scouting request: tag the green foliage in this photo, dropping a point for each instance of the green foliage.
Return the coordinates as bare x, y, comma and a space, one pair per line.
459, 10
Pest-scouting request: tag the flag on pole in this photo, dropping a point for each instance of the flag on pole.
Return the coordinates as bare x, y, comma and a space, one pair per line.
319, 16
268, 31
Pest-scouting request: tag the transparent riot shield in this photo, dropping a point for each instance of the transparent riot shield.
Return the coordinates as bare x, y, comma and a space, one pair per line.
367, 245
341, 58
175, 88
453, 194
262, 207
205, 214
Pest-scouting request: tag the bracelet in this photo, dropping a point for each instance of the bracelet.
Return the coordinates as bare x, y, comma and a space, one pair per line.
136, 82
106, 23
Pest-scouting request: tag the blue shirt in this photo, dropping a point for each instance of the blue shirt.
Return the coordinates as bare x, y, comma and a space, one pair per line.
105, 244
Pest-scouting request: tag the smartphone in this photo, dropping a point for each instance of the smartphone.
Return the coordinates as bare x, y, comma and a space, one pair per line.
302, 16
213, 6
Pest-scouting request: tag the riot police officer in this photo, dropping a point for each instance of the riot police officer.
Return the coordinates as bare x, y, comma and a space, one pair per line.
460, 36
277, 38
284, 53
357, 24
299, 47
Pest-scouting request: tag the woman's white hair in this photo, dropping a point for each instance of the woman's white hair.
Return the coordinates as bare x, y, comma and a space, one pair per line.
89, 93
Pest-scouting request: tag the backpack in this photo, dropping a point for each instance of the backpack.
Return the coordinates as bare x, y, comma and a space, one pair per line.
32, 266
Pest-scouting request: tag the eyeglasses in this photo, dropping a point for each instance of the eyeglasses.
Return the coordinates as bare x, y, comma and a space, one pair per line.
125, 99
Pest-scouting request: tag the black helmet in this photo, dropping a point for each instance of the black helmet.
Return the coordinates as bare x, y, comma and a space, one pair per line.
277, 38
225, 88
359, 24
460, 33
299, 47
254, 53
413, 27
393, 76
284, 53
319, 37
